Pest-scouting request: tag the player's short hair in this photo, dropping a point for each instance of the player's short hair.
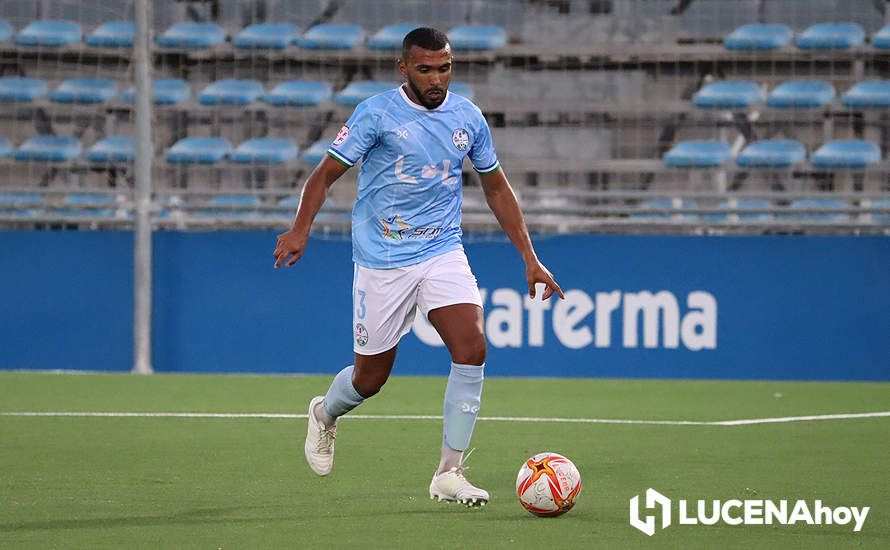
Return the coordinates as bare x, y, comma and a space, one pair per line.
424, 37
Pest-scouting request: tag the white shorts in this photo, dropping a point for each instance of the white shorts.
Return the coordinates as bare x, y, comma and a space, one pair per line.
385, 300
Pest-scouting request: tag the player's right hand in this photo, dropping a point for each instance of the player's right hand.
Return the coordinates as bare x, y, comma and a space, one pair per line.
290, 243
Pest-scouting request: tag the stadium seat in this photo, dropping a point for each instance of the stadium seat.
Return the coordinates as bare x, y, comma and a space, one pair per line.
47, 148
6, 31
868, 94
85, 90
20, 204
758, 36
846, 153
477, 37
289, 201
809, 210
89, 205
231, 92
881, 39
797, 94
113, 149
665, 204
315, 152
728, 94
741, 205
265, 151
462, 89
880, 217
299, 93
772, 153
230, 206
192, 35
698, 154
49, 33
356, 92
20, 89
834, 36
266, 36
332, 36
6, 147
198, 150
114, 34
390, 37
165, 91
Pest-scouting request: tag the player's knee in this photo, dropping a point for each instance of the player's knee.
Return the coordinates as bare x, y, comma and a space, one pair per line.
470, 354
368, 386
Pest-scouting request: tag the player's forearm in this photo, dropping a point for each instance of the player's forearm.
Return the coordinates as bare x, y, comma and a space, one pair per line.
502, 201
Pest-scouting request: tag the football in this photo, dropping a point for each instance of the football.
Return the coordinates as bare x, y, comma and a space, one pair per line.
548, 484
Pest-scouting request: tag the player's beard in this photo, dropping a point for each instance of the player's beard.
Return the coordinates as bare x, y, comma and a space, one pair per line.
423, 99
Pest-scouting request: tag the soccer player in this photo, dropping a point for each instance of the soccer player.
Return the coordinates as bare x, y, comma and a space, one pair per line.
406, 240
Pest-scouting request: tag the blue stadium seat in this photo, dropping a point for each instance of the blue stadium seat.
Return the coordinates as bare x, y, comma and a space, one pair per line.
165, 91
6, 147
289, 201
192, 35
85, 90
805, 210
758, 36
113, 34
332, 36
198, 150
881, 39
20, 89
728, 94
316, 152
265, 151
665, 204
881, 217
698, 154
46, 148
741, 205
390, 37
299, 93
100, 205
835, 36
868, 94
113, 149
233, 206
20, 204
49, 33
796, 94
846, 153
266, 36
462, 89
772, 153
231, 92
477, 37
356, 92
6, 31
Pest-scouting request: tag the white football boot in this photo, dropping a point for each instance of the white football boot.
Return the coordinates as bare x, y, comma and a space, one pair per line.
452, 486
319, 445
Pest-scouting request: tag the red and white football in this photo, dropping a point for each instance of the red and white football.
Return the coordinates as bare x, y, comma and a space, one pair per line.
548, 484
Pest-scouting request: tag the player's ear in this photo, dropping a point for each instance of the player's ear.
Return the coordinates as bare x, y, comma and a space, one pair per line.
403, 70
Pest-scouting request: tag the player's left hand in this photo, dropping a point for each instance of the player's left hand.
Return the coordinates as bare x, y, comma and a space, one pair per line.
535, 272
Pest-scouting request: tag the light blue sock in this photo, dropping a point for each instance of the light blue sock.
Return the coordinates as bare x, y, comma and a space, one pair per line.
342, 396
462, 397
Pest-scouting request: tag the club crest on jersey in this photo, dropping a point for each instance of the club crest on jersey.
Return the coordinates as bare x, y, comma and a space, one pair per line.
341, 135
461, 139
361, 334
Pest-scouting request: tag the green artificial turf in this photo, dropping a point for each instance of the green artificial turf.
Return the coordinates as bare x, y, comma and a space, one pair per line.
75, 482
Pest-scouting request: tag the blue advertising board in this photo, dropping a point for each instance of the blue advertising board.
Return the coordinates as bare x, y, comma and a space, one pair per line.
761, 307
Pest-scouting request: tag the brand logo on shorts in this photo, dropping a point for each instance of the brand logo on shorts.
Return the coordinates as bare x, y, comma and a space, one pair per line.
395, 228
341, 135
461, 139
361, 334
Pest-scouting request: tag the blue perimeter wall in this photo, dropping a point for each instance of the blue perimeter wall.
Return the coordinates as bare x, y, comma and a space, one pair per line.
777, 307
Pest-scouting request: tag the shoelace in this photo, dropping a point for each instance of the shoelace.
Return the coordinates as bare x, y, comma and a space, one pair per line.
325, 441
462, 467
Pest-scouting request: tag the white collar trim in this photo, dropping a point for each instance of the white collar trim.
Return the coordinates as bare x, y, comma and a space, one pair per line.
421, 107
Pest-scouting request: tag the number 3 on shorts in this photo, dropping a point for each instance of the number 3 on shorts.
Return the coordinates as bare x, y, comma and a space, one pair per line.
360, 310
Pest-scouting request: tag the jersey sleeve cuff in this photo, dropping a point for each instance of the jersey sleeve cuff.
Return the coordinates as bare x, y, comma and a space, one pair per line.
340, 158
489, 169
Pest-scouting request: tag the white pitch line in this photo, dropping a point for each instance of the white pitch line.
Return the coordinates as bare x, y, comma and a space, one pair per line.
743, 422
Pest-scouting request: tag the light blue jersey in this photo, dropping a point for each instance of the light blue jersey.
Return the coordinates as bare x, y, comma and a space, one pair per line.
409, 185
